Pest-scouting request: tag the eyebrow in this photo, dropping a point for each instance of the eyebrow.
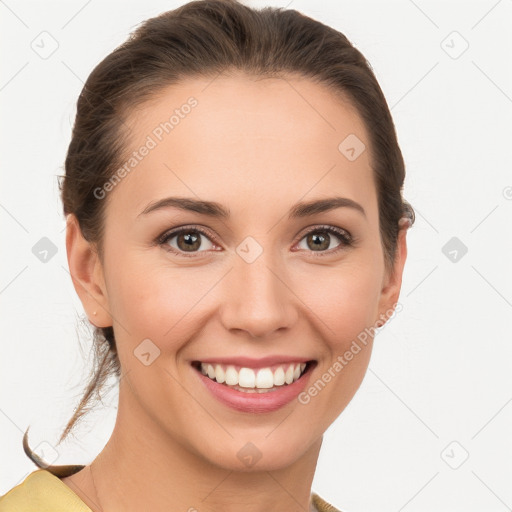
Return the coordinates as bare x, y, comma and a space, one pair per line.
216, 210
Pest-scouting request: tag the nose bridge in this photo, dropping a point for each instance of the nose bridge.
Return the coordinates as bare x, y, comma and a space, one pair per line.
257, 298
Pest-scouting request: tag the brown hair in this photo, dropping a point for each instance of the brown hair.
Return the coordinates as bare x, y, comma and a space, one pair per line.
202, 39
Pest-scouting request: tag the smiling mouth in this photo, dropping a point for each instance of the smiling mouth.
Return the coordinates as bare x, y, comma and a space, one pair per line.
254, 380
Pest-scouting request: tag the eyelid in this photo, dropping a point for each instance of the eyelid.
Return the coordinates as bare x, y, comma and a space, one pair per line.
340, 232
179, 229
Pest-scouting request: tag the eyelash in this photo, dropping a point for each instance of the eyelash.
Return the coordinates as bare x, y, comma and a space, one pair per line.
346, 239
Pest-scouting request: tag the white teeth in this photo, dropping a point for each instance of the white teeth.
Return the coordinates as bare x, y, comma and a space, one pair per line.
288, 376
231, 376
264, 378
220, 375
279, 377
261, 379
246, 378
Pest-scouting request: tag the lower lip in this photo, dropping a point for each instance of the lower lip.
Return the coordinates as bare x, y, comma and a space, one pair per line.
256, 402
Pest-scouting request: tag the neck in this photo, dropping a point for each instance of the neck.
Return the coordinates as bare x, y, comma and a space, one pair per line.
144, 468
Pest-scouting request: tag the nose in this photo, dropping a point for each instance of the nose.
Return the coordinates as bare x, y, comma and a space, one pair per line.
257, 298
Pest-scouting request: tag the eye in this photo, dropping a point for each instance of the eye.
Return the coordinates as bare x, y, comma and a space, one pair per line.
188, 240
319, 238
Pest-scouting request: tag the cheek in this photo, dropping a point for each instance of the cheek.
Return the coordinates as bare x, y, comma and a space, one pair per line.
348, 342
153, 302
151, 299
345, 300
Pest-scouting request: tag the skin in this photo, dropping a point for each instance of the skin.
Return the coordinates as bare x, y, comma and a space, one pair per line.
257, 146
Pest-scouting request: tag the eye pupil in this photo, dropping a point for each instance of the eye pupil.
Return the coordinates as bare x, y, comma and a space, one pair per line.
191, 241
318, 240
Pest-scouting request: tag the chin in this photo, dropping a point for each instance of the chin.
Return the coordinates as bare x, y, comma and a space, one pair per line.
266, 452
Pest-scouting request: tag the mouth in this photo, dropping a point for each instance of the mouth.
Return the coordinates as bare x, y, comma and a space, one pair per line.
254, 380
252, 388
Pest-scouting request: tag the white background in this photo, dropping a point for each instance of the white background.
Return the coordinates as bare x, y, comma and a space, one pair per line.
440, 371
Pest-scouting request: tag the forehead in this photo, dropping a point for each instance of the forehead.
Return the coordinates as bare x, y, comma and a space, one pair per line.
235, 138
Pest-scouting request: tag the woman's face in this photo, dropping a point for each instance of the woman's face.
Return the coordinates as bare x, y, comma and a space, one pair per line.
271, 283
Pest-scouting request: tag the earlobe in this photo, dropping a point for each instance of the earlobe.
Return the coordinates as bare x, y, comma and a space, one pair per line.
393, 281
87, 274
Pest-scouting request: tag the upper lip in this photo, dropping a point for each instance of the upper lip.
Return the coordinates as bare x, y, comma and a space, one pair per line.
250, 362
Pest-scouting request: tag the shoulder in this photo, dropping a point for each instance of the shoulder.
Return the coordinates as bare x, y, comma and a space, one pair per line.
320, 505
41, 491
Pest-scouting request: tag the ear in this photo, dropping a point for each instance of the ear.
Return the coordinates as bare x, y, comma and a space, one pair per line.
392, 282
87, 274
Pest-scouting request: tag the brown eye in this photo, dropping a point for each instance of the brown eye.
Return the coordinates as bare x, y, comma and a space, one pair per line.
323, 239
188, 240
317, 241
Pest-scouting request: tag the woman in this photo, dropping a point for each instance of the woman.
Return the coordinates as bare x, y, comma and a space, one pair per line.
236, 232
